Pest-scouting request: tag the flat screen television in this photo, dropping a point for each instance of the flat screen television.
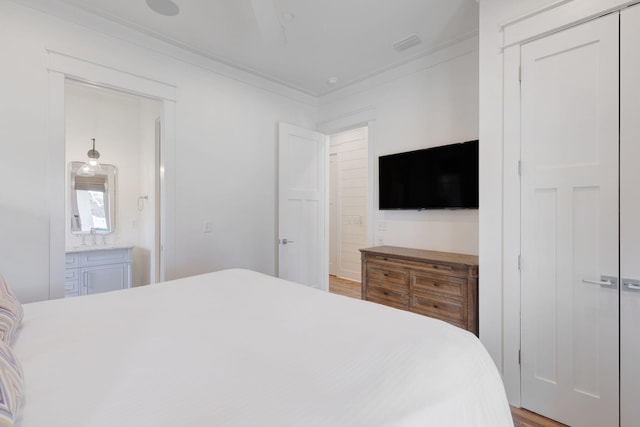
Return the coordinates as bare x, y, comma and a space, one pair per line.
444, 177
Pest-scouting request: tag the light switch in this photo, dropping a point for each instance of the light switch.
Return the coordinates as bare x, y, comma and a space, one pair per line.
207, 227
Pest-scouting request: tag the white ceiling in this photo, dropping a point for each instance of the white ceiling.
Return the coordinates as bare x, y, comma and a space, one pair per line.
346, 39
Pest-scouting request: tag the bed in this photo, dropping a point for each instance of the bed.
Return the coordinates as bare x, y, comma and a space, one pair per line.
239, 348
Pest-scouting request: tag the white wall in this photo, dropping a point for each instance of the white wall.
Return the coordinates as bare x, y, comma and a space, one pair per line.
429, 102
225, 145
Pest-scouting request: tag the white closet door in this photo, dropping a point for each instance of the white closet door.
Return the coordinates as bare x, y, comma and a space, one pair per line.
569, 108
630, 217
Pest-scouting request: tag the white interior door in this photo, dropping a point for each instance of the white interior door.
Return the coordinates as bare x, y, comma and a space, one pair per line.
630, 217
569, 108
303, 160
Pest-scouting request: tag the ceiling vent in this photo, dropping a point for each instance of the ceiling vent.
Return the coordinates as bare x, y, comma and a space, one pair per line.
407, 42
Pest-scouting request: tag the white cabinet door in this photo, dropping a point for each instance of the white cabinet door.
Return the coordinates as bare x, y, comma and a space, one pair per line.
92, 271
104, 278
303, 161
630, 217
569, 187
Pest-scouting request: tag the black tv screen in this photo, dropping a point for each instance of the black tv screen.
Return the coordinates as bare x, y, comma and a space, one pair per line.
444, 177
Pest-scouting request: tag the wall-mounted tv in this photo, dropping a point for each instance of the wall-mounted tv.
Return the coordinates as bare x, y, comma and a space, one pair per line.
444, 177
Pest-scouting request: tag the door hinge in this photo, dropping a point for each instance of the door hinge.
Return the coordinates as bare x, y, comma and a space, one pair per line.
519, 357
519, 262
519, 167
520, 74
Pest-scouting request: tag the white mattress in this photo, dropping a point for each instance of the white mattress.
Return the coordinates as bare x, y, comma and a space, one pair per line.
238, 348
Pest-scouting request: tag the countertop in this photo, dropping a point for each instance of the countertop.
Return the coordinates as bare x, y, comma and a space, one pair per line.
104, 247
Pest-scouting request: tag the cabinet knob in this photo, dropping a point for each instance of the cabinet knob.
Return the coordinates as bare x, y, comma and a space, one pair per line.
386, 274
435, 305
436, 285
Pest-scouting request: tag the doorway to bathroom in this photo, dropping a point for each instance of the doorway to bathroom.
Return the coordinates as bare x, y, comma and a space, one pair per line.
127, 133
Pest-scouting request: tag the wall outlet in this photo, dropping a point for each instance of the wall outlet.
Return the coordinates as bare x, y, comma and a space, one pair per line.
207, 227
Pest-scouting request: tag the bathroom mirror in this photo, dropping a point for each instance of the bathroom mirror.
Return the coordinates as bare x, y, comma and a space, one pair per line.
93, 200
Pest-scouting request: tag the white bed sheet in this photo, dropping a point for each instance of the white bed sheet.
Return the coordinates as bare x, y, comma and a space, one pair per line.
238, 348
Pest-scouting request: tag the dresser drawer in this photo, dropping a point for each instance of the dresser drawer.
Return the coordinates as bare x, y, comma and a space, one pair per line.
71, 260
446, 269
71, 288
439, 307
387, 274
104, 257
71, 274
388, 297
459, 270
71, 282
437, 283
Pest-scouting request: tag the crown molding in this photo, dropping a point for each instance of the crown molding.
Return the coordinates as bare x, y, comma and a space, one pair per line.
125, 32
466, 46
473, 35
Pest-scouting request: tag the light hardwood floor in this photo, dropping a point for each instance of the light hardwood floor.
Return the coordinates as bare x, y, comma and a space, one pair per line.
521, 417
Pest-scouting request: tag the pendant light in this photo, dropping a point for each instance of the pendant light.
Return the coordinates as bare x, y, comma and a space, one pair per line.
91, 166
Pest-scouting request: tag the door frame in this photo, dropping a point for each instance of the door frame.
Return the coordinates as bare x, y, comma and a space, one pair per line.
334, 225
61, 67
338, 194
353, 120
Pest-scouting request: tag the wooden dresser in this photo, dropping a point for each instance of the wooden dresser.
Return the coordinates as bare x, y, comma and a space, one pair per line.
442, 285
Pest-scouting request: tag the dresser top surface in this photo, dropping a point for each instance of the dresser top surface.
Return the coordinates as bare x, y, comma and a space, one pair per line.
423, 254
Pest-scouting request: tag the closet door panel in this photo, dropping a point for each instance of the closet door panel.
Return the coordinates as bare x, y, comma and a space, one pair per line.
630, 217
569, 214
